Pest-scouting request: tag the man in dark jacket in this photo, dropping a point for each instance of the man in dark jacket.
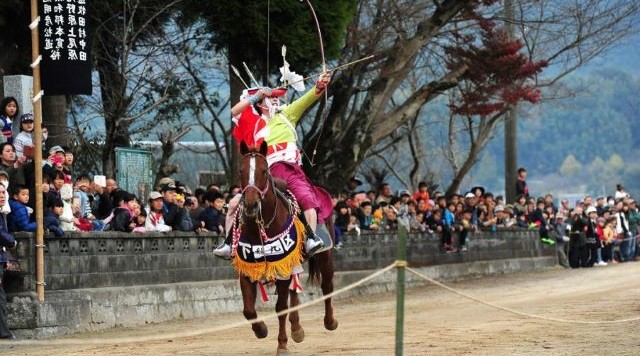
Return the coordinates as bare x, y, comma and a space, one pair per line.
175, 216
577, 238
6, 241
212, 217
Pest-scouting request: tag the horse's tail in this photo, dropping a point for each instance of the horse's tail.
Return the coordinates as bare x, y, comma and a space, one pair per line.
324, 258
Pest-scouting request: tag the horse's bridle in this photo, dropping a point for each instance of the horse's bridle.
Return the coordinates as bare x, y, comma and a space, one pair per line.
252, 171
262, 192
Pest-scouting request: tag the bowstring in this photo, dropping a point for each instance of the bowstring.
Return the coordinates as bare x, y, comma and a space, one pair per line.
268, 39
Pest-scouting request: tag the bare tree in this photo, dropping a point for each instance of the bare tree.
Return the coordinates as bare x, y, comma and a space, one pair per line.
137, 85
567, 35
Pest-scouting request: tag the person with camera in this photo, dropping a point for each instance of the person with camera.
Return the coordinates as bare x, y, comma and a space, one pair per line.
175, 213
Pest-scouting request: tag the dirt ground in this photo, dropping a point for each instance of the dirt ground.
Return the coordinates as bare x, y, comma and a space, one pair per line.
437, 322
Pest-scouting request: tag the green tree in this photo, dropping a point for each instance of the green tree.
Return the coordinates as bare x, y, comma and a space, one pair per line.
570, 166
615, 163
254, 31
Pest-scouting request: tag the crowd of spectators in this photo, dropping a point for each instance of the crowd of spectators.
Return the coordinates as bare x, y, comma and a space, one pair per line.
75, 201
589, 232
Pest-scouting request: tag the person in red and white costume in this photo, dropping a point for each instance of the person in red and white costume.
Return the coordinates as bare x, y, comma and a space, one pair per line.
258, 117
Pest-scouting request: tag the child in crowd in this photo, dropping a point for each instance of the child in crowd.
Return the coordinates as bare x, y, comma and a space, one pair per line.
9, 111
155, 212
342, 218
23, 142
67, 218
609, 241
434, 222
54, 210
212, 217
18, 219
367, 219
448, 220
124, 214
139, 220
81, 192
600, 243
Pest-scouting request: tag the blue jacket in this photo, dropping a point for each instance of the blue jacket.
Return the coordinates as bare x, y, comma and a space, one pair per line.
6, 240
448, 218
52, 223
212, 218
18, 218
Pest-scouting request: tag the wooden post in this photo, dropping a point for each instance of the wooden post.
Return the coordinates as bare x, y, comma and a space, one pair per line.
37, 133
402, 257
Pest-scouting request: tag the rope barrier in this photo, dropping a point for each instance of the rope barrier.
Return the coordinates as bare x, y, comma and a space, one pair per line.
204, 331
512, 311
214, 329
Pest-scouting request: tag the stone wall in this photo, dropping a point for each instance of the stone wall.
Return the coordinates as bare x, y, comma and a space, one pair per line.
98, 281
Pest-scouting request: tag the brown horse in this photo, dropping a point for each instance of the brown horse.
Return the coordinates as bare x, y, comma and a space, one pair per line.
264, 213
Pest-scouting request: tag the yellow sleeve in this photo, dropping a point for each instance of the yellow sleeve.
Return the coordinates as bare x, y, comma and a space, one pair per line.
293, 112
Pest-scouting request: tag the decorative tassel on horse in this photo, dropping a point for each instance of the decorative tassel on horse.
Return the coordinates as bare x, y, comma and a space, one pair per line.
275, 258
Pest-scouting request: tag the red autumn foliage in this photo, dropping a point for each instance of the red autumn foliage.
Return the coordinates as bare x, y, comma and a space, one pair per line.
499, 73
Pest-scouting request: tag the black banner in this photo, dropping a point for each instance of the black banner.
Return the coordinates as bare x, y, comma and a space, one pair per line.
65, 47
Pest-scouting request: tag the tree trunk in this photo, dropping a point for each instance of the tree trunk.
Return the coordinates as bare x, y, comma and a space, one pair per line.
114, 106
510, 126
54, 110
236, 88
464, 170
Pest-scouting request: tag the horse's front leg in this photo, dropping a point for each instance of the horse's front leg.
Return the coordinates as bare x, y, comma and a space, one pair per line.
249, 294
325, 262
282, 288
297, 332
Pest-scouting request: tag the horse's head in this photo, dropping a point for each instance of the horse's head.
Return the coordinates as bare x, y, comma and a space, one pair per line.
254, 176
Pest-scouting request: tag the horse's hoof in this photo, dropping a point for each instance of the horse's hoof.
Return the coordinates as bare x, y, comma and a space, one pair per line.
297, 335
331, 325
282, 352
261, 331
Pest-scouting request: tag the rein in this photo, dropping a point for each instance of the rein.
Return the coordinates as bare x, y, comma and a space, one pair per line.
262, 192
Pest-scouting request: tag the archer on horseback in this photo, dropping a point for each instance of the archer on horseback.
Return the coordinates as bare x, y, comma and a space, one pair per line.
258, 117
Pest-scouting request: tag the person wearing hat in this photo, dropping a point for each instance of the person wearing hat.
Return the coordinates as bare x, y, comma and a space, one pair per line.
155, 214
471, 204
23, 141
175, 216
353, 184
55, 163
259, 117
508, 217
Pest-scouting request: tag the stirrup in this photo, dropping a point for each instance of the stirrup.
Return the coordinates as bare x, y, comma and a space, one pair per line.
223, 251
323, 234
